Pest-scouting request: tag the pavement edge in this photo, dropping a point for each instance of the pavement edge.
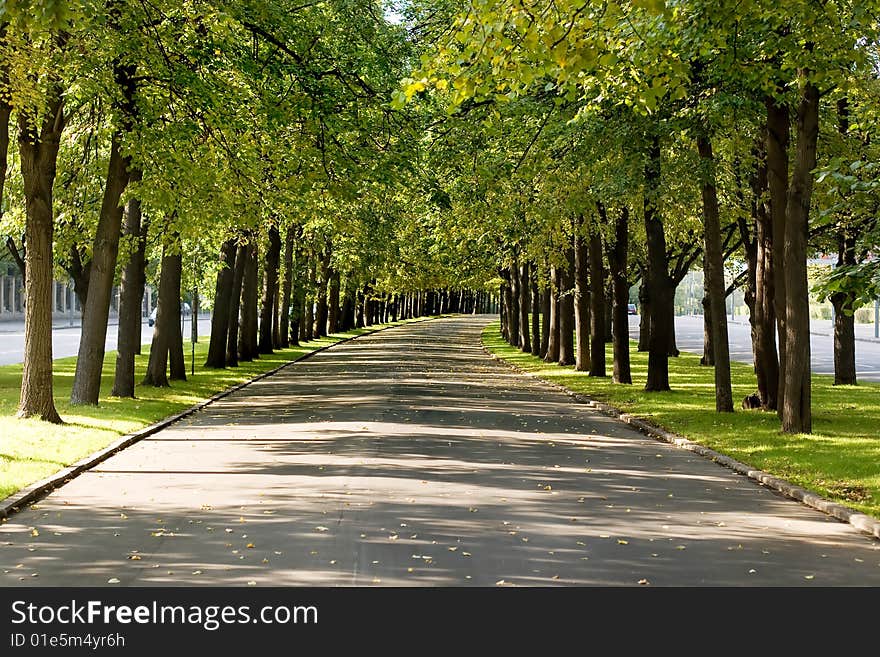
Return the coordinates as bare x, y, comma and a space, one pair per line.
862, 522
19, 500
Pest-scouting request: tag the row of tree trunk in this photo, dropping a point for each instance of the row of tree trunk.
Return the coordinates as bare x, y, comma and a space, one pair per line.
567, 312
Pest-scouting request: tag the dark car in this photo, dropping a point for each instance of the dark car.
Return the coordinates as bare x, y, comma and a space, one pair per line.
631, 309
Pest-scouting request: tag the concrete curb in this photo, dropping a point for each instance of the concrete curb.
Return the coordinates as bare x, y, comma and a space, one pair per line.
862, 522
17, 501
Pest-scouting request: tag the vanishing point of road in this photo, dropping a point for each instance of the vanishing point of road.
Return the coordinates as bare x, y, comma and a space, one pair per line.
410, 457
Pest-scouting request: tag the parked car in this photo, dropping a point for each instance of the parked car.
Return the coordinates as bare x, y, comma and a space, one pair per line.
631, 309
185, 310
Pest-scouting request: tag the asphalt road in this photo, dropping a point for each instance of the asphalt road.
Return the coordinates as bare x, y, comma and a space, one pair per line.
410, 457
689, 337
65, 340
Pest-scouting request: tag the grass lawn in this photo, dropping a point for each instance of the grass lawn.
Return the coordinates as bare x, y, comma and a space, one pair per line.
31, 449
840, 460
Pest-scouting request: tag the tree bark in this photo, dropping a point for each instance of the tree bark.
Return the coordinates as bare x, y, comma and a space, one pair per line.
844, 321
105, 250
307, 331
298, 296
247, 332
766, 358
271, 261
778, 137
618, 259
581, 299
566, 311
235, 306
597, 305
714, 273
658, 281
323, 283
514, 315
546, 305
525, 341
708, 358
222, 302
167, 323
844, 312
176, 361
796, 405
286, 288
333, 309
131, 299
645, 316
552, 354
536, 311
38, 149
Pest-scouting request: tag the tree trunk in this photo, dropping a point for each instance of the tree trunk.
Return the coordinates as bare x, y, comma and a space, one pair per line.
844, 341
287, 289
5, 114
308, 328
167, 319
333, 310
618, 259
778, 136
105, 250
247, 332
645, 316
514, 304
298, 296
546, 311
796, 406
176, 362
597, 305
506, 305
566, 311
714, 272
525, 341
844, 312
536, 311
708, 358
658, 283
581, 299
322, 310
766, 358
235, 306
222, 301
609, 304
552, 354
271, 261
131, 295
38, 148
